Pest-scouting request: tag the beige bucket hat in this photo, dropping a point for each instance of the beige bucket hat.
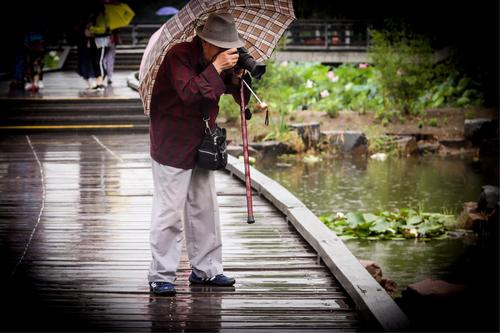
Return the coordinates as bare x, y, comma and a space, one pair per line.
220, 30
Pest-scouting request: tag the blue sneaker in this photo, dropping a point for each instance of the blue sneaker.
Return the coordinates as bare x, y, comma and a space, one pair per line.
162, 288
218, 280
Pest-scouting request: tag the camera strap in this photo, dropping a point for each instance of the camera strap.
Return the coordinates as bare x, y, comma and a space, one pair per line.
206, 118
266, 121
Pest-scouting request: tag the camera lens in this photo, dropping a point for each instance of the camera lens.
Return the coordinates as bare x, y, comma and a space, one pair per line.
246, 61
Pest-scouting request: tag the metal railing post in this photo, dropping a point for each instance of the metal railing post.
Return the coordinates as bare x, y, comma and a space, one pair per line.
134, 35
326, 35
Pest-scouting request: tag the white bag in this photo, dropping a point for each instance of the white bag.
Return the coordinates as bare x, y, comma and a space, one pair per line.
101, 41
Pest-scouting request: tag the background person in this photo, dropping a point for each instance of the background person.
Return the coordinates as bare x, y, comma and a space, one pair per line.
101, 33
34, 44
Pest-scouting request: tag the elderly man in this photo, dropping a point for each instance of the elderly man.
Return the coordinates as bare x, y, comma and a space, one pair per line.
191, 79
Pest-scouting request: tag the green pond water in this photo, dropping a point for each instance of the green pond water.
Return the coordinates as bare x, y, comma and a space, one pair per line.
432, 183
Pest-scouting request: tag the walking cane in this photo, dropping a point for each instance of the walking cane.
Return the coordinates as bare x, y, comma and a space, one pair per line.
244, 136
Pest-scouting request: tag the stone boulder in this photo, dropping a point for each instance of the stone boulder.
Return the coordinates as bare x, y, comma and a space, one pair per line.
237, 150
389, 285
406, 145
438, 305
375, 271
309, 132
428, 147
479, 129
433, 289
488, 199
455, 143
271, 148
373, 268
346, 142
490, 148
470, 217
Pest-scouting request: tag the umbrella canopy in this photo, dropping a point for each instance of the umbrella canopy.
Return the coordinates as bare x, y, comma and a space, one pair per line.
118, 15
260, 22
166, 11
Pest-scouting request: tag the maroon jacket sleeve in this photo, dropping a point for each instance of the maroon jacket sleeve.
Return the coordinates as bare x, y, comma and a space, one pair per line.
190, 87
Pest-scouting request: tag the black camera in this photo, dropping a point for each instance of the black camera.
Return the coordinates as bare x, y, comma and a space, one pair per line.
246, 61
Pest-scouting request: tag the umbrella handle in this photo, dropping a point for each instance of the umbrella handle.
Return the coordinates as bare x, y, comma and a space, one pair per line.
244, 136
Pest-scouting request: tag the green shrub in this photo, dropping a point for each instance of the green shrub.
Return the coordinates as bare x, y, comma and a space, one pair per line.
451, 91
470, 114
51, 60
402, 80
433, 122
282, 87
404, 67
383, 144
331, 105
421, 123
228, 108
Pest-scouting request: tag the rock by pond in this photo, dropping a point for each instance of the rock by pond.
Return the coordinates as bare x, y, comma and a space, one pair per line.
488, 199
479, 129
433, 288
428, 147
455, 143
346, 142
438, 305
375, 271
470, 218
309, 132
406, 145
237, 150
489, 148
271, 148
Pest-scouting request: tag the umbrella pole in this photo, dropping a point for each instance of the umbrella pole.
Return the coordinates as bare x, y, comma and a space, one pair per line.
244, 136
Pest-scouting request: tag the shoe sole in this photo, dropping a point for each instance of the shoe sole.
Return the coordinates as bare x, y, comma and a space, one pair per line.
210, 283
167, 293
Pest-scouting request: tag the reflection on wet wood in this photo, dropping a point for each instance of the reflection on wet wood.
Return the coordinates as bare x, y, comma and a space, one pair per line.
86, 264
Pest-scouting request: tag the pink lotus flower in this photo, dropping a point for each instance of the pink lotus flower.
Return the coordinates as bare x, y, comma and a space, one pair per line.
324, 94
331, 75
363, 65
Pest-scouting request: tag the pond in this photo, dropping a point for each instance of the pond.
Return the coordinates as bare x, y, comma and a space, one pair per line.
431, 183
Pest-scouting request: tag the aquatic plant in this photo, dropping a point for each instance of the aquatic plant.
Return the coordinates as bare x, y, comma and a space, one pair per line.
399, 224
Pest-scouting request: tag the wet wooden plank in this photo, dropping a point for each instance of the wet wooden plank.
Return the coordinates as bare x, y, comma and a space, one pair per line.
87, 261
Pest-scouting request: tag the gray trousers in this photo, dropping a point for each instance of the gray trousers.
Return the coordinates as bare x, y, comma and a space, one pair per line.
109, 60
187, 196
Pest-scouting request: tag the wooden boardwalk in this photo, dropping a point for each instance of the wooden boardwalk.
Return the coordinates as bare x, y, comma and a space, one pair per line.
74, 218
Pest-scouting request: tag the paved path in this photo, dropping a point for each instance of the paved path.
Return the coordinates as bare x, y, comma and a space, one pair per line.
67, 85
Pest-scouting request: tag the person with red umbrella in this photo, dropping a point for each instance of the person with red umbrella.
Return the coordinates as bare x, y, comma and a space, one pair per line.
189, 83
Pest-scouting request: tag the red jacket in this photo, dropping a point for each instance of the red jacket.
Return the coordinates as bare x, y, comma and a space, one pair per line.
183, 86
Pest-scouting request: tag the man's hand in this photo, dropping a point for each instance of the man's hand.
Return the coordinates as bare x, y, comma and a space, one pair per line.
226, 60
262, 106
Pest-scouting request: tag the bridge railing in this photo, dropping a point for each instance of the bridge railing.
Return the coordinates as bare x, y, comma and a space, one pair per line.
300, 35
137, 34
327, 35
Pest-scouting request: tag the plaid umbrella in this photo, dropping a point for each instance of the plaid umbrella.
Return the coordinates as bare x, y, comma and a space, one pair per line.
260, 22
